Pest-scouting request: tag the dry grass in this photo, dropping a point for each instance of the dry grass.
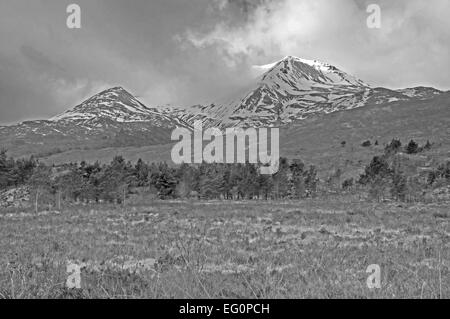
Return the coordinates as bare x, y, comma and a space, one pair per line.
308, 249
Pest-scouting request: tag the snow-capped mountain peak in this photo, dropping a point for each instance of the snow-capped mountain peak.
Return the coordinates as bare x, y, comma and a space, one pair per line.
115, 103
303, 71
290, 59
293, 89
289, 89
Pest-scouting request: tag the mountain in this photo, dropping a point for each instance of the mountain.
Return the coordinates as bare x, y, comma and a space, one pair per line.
287, 92
115, 105
294, 89
112, 118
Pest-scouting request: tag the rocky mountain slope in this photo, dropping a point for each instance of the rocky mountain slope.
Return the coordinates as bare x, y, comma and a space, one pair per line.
294, 89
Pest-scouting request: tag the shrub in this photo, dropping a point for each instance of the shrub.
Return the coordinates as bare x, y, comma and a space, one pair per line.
427, 146
348, 184
393, 148
378, 167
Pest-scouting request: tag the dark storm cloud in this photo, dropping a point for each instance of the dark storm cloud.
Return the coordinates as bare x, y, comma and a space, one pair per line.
184, 52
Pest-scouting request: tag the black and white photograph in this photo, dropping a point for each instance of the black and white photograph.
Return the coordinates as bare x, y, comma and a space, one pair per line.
244, 151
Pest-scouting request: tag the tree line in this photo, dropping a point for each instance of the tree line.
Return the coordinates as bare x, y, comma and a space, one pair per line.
113, 182
383, 177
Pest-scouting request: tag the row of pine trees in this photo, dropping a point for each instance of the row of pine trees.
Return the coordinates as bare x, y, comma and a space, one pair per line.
114, 182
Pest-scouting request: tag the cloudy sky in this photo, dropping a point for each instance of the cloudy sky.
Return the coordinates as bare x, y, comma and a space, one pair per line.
189, 51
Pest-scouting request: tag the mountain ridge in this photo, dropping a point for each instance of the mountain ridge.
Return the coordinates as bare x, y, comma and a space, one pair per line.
293, 89
289, 90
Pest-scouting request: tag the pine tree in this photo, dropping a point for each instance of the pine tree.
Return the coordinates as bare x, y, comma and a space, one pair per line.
23, 169
141, 173
412, 147
378, 167
297, 169
399, 181
164, 181
114, 180
211, 181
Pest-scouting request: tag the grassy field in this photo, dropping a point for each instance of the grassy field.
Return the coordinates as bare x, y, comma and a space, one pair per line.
308, 249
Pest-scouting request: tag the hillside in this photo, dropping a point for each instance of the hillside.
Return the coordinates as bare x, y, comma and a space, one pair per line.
319, 140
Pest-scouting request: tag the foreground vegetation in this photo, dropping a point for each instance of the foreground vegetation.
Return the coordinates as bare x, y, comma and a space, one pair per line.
238, 249
226, 231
